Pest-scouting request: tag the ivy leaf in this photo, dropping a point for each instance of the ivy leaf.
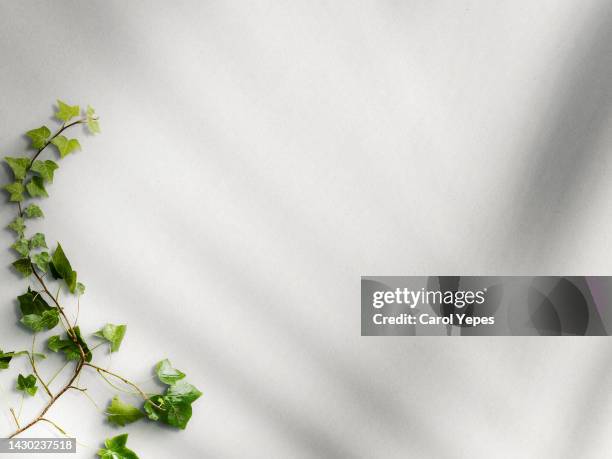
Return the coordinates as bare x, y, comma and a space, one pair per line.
18, 226
5, 359
36, 187
183, 392
37, 241
65, 146
121, 413
24, 266
41, 260
46, 169
174, 407
33, 211
46, 321
39, 136
171, 412
116, 449
69, 347
66, 112
19, 166
21, 247
37, 314
113, 334
92, 121
15, 190
166, 373
61, 269
27, 384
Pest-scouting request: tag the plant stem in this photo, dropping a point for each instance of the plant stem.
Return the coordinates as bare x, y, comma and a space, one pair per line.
33, 363
41, 416
120, 378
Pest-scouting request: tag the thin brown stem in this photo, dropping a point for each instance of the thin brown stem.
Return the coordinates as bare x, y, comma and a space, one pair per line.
41, 416
15, 417
120, 378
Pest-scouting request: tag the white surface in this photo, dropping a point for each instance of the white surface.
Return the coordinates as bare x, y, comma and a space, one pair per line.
257, 158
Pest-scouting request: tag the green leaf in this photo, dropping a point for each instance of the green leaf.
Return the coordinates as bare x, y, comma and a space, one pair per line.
36, 187
38, 241
19, 166
66, 112
80, 288
183, 392
18, 226
46, 321
69, 347
24, 266
41, 260
116, 449
36, 313
33, 211
121, 413
32, 302
173, 413
65, 146
5, 359
113, 334
92, 121
46, 169
15, 191
21, 247
61, 269
39, 136
27, 384
166, 373
174, 407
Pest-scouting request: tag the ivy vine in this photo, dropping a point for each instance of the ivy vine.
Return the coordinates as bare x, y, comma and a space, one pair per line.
41, 310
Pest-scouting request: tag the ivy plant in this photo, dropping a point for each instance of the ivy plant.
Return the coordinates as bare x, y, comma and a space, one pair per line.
42, 312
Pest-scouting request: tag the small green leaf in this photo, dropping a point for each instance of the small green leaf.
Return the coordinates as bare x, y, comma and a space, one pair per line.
46, 321
39, 136
41, 260
116, 449
37, 314
69, 347
19, 166
36, 187
27, 384
166, 373
66, 112
15, 191
38, 241
174, 407
173, 413
61, 269
33, 211
80, 288
65, 146
113, 334
46, 169
21, 247
92, 121
183, 392
24, 266
5, 359
121, 413
18, 226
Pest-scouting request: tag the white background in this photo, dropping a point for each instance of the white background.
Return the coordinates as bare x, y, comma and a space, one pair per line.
257, 158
